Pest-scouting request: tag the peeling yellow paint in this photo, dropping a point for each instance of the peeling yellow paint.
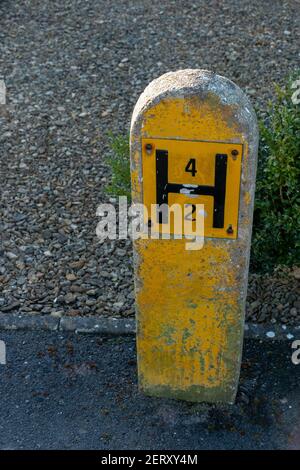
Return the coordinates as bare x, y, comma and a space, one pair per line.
247, 198
182, 324
191, 118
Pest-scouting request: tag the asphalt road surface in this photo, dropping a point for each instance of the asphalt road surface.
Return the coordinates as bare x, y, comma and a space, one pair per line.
67, 391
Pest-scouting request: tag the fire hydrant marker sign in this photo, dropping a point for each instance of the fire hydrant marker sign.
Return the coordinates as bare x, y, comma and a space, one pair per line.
191, 172
193, 148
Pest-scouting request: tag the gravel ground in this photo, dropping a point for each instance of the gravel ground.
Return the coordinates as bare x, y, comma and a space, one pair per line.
74, 71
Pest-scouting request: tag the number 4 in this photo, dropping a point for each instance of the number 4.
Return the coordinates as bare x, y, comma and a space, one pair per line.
191, 167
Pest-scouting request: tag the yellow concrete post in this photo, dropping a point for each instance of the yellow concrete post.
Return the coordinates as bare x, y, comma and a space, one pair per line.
193, 140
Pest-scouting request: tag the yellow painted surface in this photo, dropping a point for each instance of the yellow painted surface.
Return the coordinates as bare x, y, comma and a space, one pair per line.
189, 316
180, 152
183, 335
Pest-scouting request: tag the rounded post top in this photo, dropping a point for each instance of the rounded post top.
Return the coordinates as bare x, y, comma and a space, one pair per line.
201, 83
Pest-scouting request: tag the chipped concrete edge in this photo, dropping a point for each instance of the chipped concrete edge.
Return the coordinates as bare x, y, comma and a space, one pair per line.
95, 325
125, 326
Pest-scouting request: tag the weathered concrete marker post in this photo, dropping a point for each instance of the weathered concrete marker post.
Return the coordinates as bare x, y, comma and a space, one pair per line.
193, 129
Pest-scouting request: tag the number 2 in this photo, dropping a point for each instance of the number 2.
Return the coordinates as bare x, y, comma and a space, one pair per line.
189, 216
191, 167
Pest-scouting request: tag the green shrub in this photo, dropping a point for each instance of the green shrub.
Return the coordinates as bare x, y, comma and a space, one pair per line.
276, 225
118, 161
